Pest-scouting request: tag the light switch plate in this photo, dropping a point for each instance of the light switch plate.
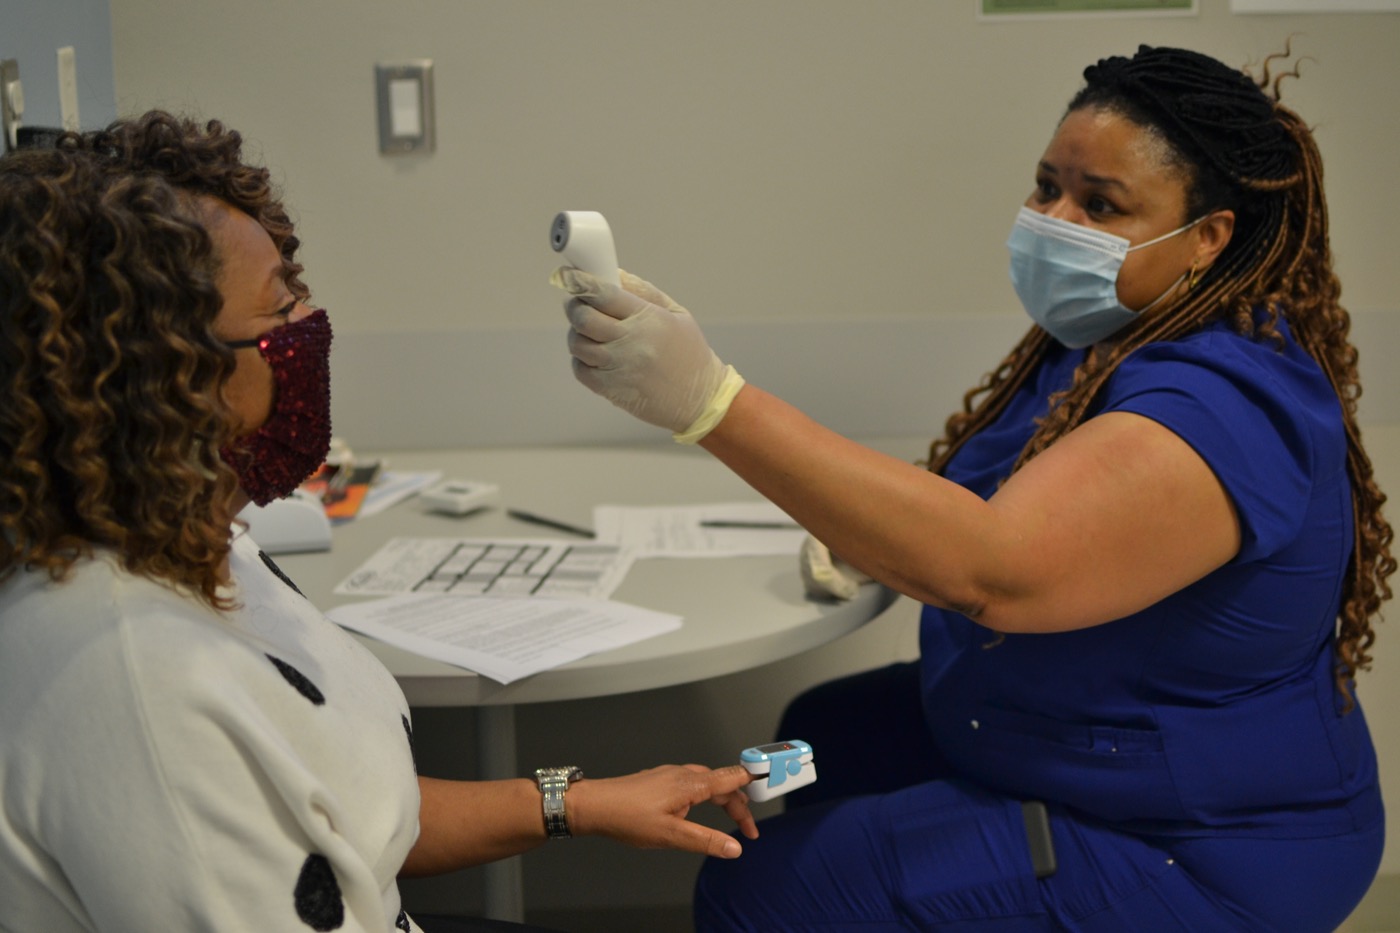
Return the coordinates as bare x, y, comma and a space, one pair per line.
404, 92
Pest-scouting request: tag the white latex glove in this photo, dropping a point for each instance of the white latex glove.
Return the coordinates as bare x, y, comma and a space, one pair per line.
825, 576
644, 353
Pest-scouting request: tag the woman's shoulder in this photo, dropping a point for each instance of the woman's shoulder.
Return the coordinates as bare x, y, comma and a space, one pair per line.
1272, 364
1260, 412
105, 638
83, 662
1241, 376
88, 638
106, 653
89, 603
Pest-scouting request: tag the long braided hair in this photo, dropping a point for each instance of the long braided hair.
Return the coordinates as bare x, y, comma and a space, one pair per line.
1240, 150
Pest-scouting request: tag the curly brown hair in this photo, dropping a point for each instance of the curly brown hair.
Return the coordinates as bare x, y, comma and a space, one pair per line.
197, 158
109, 296
1239, 149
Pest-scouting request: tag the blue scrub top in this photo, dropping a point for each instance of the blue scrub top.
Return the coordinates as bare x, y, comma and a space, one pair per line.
1214, 709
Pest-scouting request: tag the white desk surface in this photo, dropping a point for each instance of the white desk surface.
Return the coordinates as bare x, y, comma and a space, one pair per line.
739, 613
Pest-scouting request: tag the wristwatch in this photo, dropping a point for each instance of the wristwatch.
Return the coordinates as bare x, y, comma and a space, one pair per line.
553, 783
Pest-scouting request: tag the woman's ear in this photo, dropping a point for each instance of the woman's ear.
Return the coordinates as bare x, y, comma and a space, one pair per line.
1213, 235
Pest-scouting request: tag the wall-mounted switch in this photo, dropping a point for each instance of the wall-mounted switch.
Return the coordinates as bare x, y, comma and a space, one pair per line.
11, 102
404, 91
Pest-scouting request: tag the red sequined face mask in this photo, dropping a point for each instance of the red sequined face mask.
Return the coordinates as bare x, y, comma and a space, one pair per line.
273, 460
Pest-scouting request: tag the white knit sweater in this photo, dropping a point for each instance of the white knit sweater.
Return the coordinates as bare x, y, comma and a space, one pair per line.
167, 767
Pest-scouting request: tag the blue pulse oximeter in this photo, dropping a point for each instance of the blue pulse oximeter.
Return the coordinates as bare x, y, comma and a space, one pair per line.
785, 765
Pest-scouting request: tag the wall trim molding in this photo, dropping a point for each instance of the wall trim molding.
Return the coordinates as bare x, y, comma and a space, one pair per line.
880, 377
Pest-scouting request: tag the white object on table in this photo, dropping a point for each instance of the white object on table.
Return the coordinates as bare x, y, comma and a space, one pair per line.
292, 525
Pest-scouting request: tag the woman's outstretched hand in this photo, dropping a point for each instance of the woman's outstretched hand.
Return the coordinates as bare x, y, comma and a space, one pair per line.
648, 809
643, 352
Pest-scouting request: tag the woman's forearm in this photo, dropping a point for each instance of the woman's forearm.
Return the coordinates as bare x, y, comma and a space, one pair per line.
1120, 494
467, 823
874, 510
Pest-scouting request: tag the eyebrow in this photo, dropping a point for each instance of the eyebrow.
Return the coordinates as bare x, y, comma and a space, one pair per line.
277, 275
1101, 181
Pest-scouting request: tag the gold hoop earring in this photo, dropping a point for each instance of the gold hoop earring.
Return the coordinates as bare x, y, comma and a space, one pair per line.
1191, 282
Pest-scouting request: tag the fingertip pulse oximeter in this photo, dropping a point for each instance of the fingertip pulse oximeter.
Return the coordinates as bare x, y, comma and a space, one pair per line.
785, 766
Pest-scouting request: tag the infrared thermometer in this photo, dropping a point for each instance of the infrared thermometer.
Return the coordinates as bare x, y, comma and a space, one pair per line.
584, 239
777, 768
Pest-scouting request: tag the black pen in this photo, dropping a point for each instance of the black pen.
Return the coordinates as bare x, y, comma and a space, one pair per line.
789, 526
549, 523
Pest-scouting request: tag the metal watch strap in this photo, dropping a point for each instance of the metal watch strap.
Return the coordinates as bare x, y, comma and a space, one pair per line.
553, 784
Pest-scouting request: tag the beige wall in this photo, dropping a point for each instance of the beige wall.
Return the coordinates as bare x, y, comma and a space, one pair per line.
815, 165
758, 158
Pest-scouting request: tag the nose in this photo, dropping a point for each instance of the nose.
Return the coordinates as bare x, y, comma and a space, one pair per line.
302, 311
1063, 208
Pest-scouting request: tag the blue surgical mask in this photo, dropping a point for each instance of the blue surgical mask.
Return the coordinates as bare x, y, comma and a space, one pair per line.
1067, 276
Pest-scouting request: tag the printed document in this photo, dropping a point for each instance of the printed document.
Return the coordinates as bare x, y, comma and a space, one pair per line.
504, 639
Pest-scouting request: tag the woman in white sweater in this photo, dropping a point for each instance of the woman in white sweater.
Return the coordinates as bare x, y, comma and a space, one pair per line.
185, 742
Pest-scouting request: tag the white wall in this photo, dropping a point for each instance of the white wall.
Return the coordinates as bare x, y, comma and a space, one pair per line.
825, 168
827, 184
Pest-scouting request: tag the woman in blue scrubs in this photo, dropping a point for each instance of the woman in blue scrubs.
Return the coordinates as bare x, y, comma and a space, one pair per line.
1150, 550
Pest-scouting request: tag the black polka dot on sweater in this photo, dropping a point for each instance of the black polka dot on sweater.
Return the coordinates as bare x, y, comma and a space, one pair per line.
318, 899
297, 679
408, 730
271, 565
402, 923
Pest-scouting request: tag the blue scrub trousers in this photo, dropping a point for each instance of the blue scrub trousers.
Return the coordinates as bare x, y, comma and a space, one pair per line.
885, 842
